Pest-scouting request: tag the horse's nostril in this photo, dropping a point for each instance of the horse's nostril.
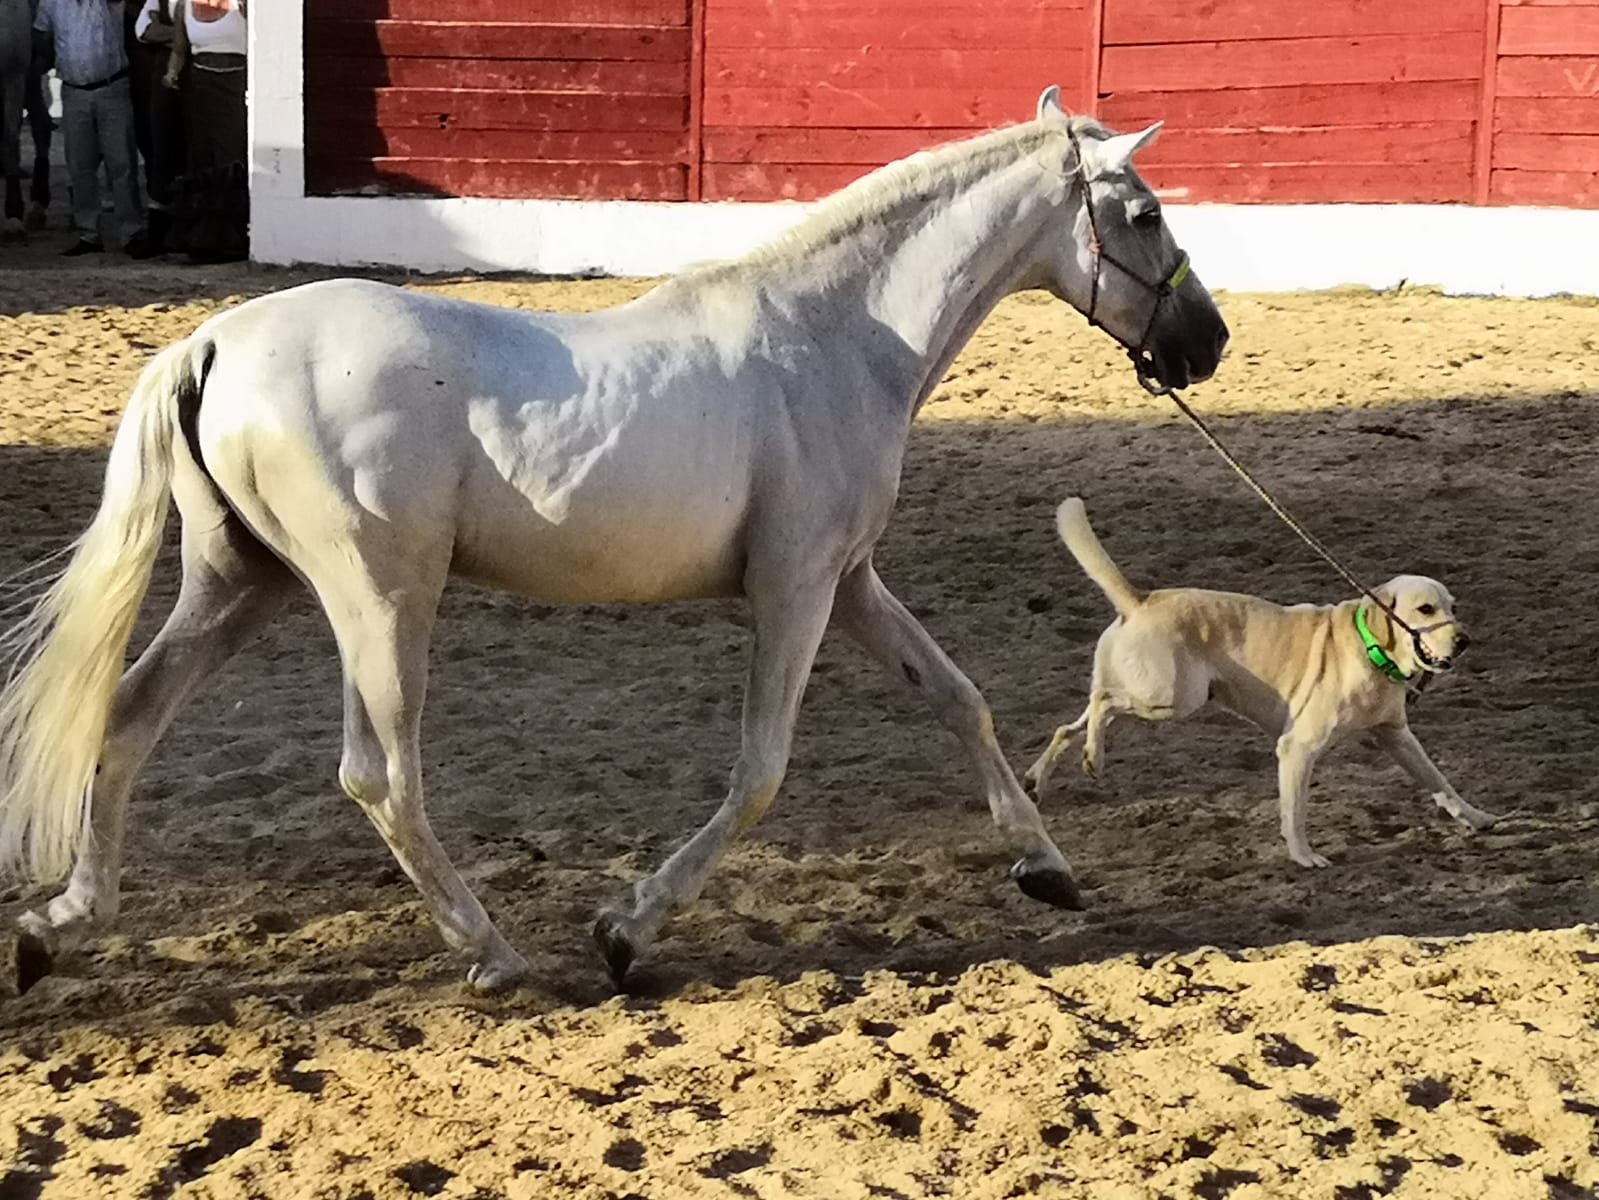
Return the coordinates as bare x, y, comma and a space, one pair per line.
1461, 642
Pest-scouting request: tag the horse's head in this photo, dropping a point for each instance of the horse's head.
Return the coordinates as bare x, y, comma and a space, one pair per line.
1121, 267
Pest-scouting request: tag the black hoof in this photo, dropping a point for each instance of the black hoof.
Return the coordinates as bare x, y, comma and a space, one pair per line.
1048, 884
615, 946
34, 961
1030, 786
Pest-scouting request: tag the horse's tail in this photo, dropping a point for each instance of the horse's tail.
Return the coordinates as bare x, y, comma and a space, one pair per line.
66, 653
1071, 520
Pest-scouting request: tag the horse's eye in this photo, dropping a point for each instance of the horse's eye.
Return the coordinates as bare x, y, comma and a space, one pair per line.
1147, 218
1426, 610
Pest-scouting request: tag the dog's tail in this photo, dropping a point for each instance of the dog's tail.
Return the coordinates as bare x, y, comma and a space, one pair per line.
1071, 519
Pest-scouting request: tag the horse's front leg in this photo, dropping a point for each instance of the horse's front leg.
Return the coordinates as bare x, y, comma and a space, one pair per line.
789, 620
870, 614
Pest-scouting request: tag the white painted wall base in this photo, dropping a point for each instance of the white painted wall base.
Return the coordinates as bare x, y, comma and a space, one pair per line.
1498, 251
1490, 251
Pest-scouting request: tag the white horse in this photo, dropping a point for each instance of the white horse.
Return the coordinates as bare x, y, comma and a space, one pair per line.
737, 431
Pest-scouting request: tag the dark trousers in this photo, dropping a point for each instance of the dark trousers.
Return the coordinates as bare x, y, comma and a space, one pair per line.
36, 100
169, 148
214, 118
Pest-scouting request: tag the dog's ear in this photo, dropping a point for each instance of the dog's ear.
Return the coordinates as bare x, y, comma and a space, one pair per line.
1387, 597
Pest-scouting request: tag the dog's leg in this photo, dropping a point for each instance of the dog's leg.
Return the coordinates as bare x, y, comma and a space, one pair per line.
1102, 710
1296, 759
1401, 746
1038, 774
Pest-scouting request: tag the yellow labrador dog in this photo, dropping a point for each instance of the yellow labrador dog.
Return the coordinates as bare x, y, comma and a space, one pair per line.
1311, 675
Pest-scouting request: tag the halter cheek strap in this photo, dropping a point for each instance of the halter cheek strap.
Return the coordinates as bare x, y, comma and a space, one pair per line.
1143, 361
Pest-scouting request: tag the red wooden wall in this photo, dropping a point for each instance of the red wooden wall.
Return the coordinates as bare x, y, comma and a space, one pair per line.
1546, 104
1278, 101
1299, 100
802, 96
507, 98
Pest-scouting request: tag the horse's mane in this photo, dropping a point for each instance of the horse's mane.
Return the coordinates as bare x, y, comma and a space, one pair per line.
875, 196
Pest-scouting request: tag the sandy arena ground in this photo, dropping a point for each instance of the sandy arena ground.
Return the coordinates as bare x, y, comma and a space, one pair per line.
862, 1005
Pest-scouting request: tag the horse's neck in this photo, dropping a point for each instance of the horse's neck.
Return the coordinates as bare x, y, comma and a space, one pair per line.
932, 279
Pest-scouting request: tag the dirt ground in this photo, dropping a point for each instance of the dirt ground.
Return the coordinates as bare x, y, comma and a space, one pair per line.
862, 1005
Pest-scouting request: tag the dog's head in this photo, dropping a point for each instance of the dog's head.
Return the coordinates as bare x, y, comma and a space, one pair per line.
1428, 608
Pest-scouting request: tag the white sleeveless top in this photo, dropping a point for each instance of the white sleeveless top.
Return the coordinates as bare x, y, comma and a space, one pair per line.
228, 34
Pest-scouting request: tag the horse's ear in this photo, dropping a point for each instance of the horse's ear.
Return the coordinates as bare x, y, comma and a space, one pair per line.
1049, 103
1114, 153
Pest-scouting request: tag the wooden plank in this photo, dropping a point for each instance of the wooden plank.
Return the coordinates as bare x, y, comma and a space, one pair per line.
464, 109
1547, 151
1549, 30
870, 108
1323, 183
883, 67
569, 12
1143, 22
1087, 100
1346, 144
898, 10
1320, 184
694, 186
329, 138
1549, 75
460, 39
1302, 61
494, 179
1325, 104
1546, 116
777, 181
509, 74
1488, 88
863, 26
1564, 189
865, 147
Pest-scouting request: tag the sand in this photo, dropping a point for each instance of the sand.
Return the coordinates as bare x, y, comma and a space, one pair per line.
861, 1004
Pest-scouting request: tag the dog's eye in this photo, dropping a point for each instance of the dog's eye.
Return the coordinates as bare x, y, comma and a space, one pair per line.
1426, 610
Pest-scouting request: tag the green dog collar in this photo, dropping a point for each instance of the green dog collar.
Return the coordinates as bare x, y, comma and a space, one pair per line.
1379, 656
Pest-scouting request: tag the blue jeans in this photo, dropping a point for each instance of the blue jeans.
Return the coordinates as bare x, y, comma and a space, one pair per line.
98, 126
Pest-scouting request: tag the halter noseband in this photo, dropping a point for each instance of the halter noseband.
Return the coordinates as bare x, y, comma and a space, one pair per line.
1143, 360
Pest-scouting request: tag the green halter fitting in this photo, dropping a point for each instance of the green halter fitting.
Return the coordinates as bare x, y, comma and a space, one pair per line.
1379, 656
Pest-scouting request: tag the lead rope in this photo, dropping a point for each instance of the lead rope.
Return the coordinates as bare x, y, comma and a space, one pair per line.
1155, 388
1293, 523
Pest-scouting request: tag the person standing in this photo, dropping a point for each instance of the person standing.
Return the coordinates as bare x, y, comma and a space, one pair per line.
97, 116
166, 162
211, 217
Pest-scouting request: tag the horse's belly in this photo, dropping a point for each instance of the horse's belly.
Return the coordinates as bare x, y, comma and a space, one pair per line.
610, 555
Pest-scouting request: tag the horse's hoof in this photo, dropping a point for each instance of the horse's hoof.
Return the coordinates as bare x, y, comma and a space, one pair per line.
13, 230
499, 975
611, 936
36, 219
36, 950
1048, 882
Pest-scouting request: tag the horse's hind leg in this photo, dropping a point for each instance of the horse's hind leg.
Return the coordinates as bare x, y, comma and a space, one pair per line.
383, 638
870, 614
231, 587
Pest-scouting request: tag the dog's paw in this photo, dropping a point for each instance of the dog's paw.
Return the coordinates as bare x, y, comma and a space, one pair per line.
1309, 858
1477, 819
